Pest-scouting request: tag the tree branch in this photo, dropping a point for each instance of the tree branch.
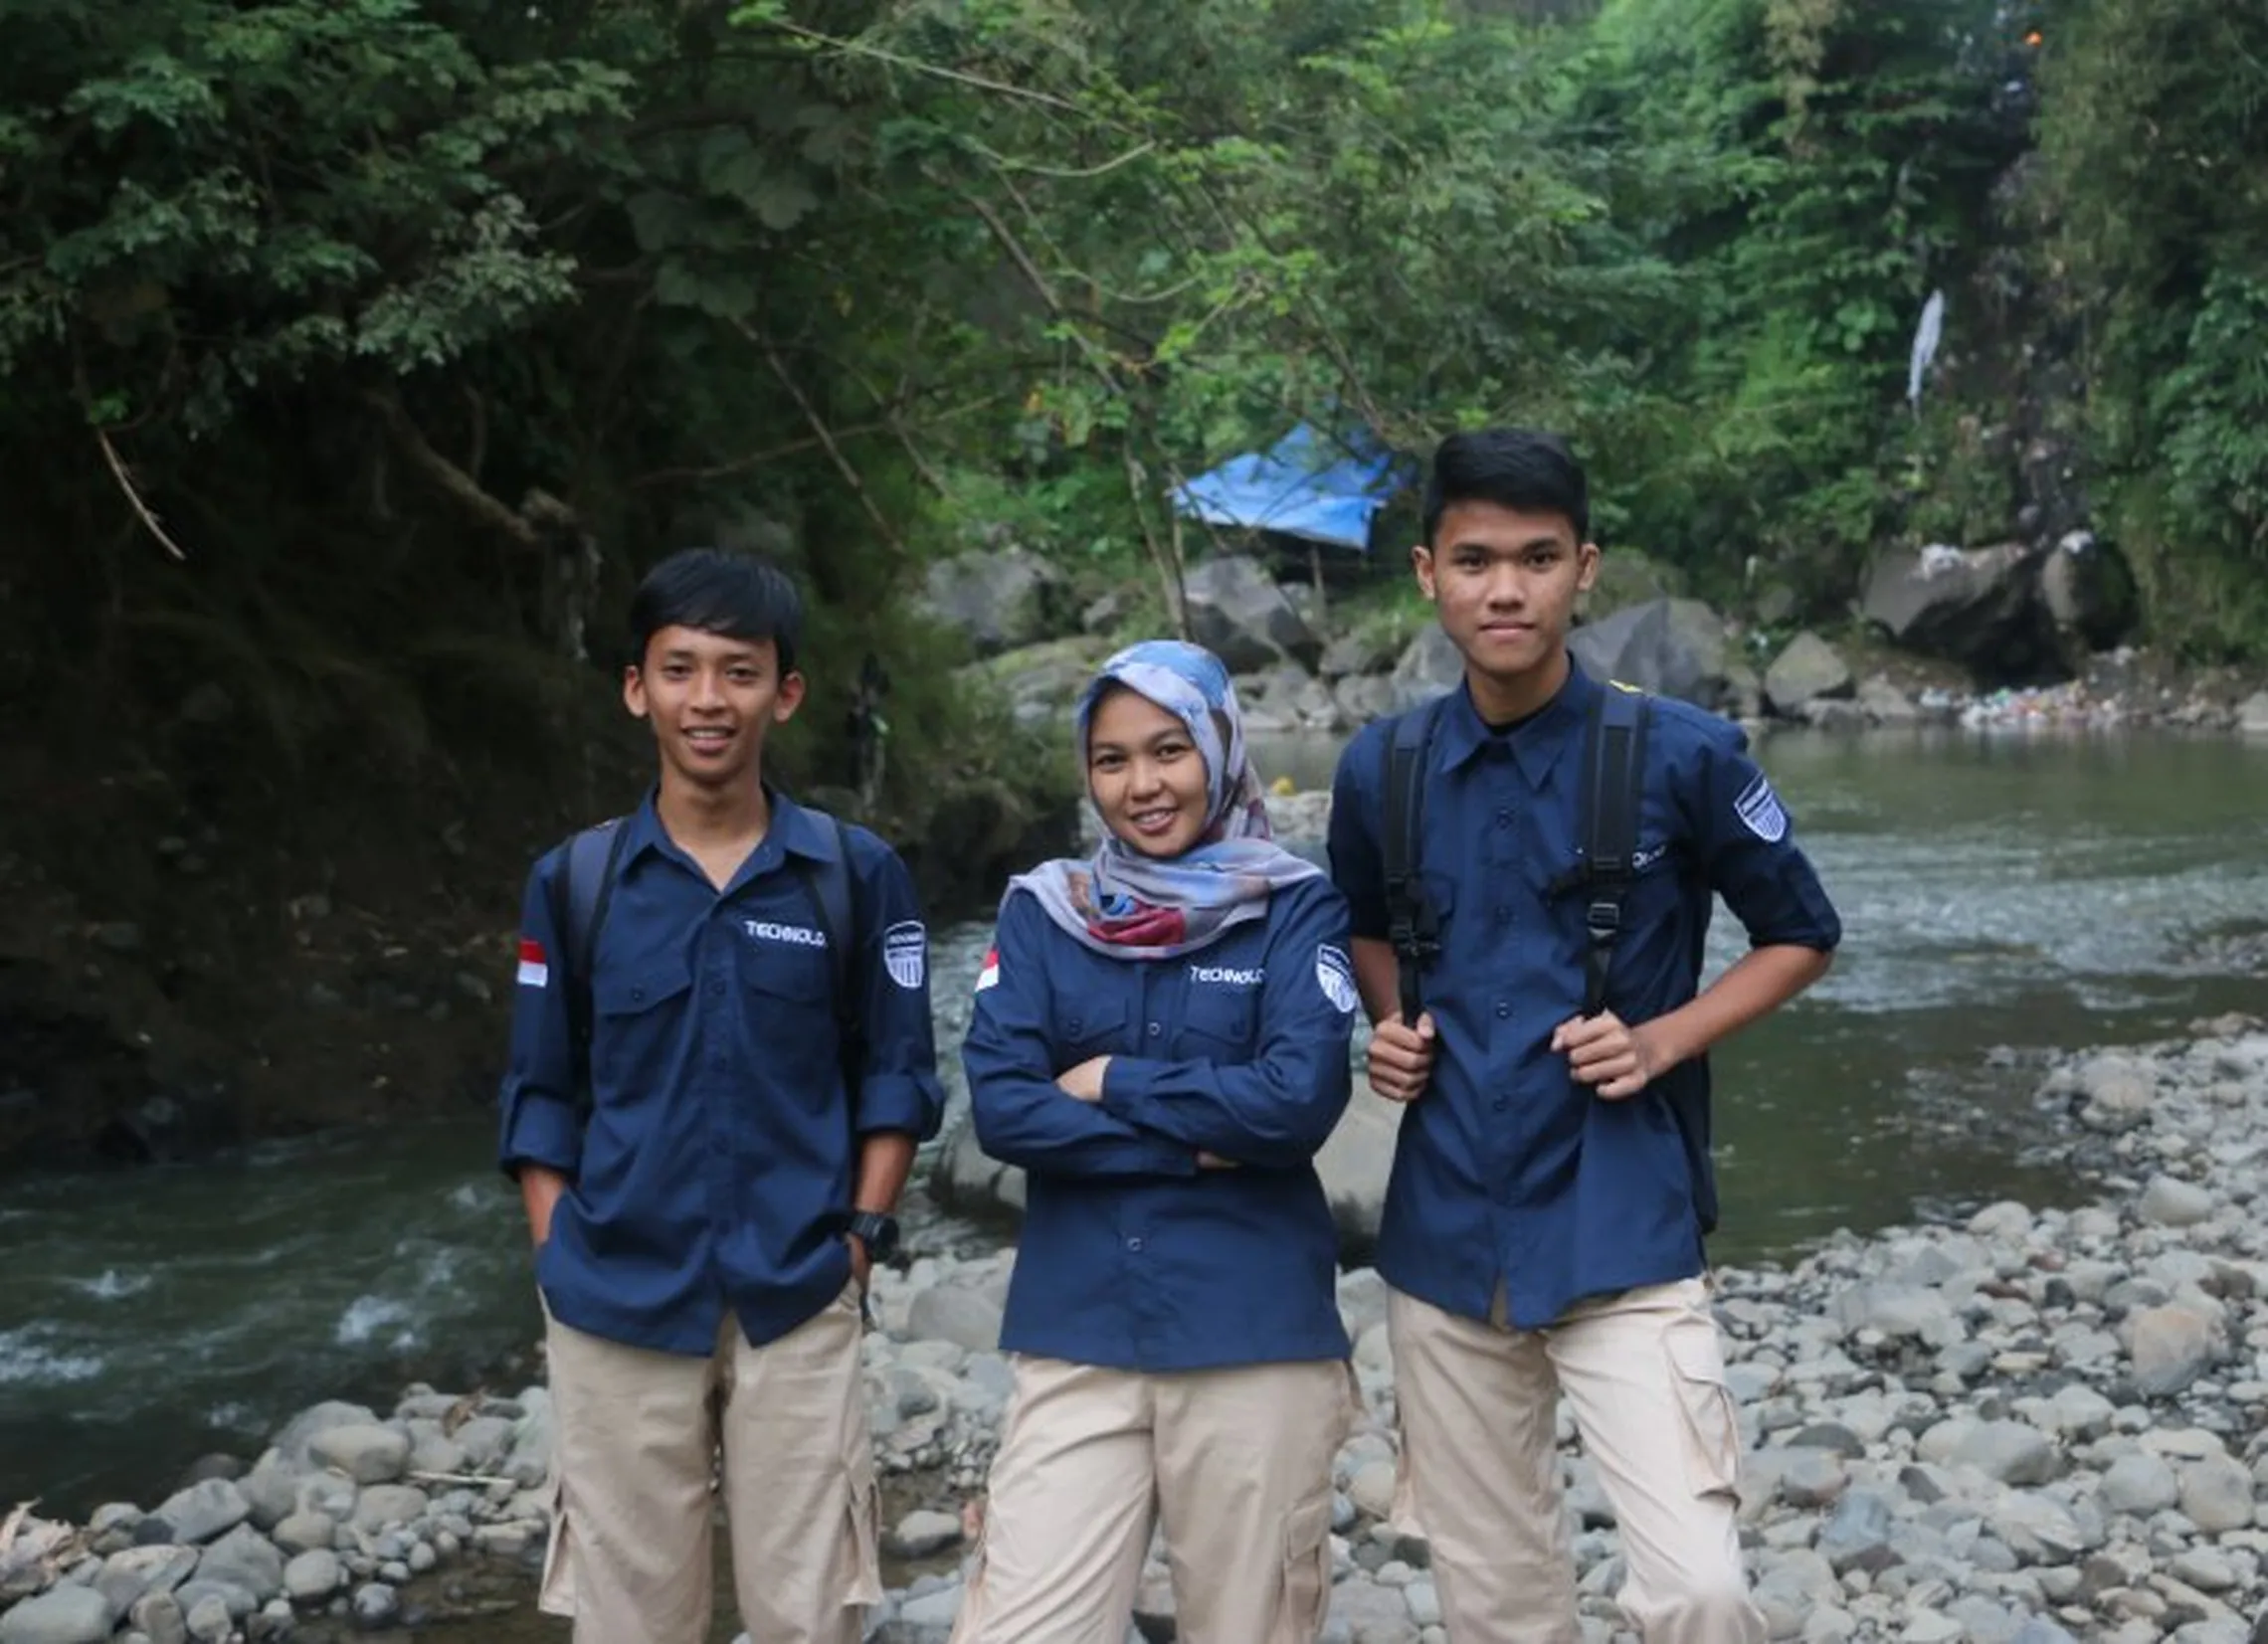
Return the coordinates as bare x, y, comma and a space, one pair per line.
125, 481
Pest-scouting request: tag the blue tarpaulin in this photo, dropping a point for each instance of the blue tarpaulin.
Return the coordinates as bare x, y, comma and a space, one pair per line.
1306, 487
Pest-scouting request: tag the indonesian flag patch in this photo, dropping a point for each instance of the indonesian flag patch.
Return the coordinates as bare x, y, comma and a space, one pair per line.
989, 977
534, 968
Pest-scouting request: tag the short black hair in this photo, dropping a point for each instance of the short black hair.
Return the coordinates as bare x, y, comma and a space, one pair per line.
738, 596
1513, 467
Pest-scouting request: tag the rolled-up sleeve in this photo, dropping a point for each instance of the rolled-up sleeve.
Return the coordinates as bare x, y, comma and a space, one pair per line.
1748, 842
1357, 865
898, 1089
542, 1118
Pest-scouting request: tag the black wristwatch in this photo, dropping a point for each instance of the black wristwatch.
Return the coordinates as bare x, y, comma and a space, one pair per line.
876, 1232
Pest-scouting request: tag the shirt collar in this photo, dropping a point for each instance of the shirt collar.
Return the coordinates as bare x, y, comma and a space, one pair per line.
793, 828
1537, 745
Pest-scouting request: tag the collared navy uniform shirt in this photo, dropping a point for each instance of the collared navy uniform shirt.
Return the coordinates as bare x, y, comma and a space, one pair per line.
721, 1148
1132, 1257
1506, 1167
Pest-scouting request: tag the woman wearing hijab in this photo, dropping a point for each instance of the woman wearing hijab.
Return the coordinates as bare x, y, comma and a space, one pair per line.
1160, 1041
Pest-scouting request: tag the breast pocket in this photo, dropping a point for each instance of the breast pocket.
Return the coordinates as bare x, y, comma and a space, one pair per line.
1218, 1024
790, 1004
1092, 1028
637, 1012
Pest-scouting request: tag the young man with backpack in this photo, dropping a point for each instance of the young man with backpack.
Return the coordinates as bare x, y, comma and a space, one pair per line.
1531, 861
721, 1061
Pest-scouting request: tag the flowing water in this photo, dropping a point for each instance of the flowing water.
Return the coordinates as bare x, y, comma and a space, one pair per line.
2003, 898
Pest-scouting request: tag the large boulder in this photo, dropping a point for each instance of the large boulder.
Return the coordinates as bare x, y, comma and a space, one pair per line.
1430, 666
998, 601
1627, 578
2088, 591
1041, 683
1980, 607
1236, 612
1672, 647
1808, 670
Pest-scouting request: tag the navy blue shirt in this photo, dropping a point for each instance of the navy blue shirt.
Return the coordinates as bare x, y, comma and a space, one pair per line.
1507, 1169
1132, 1257
721, 1146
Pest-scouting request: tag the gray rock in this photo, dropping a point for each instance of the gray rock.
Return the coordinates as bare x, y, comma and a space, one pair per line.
367, 1454
312, 1576
127, 1575
301, 1430
483, 1440
1367, 651
1884, 703
956, 1313
272, 1489
375, 1607
244, 1558
158, 1617
936, 1608
2139, 1484
2253, 715
1363, 1613
1430, 666
384, 1506
1897, 1310
305, 1532
2039, 1528
2089, 592
2170, 1348
1808, 668
1858, 1534
923, 1535
236, 1600
997, 600
1978, 606
2168, 1203
1672, 647
67, 1615
2217, 1494
208, 1621
2010, 1452
1814, 1478
204, 1511
1236, 612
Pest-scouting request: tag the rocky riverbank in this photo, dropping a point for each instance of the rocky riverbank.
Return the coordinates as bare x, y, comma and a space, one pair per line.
2029, 1427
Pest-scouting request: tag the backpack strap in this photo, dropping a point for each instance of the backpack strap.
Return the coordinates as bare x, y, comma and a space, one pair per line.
1614, 777
581, 892
833, 890
1413, 924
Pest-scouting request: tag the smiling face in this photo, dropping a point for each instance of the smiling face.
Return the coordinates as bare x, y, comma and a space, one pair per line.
1505, 581
1146, 774
711, 700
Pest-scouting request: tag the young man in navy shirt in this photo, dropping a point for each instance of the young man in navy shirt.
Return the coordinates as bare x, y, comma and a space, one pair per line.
706, 1184
1552, 1183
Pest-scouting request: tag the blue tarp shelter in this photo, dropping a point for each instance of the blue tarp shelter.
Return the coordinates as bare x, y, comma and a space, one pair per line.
1306, 487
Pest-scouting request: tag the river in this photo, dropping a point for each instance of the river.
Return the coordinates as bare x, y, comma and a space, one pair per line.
2003, 898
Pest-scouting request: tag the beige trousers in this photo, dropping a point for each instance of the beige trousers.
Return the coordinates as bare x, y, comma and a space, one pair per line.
1234, 1464
1644, 1375
638, 1432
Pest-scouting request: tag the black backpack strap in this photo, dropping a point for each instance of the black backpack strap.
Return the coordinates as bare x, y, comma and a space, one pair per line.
1413, 924
581, 892
833, 890
1614, 789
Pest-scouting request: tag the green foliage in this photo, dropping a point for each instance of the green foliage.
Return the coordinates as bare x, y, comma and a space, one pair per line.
2154, 139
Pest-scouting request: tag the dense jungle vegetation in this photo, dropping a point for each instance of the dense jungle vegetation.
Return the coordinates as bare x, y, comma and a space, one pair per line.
358, 353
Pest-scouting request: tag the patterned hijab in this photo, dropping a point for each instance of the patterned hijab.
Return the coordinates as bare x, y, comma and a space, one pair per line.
1131, 906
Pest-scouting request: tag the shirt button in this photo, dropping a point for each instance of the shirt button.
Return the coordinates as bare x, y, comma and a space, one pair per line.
1503, 1008
636, 994
1504, 818
1501, 1103
1135, 1245
716, 990
1155, 1029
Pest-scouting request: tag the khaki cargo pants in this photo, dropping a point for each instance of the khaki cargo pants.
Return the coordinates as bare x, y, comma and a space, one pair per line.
1643, 1372
1234, 1464
632, 1558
